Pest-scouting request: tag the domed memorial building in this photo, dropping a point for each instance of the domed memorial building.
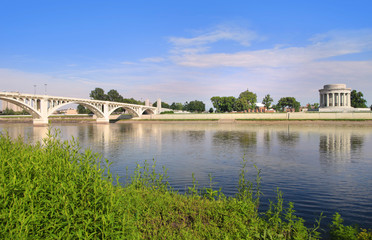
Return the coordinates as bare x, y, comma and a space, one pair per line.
335, 98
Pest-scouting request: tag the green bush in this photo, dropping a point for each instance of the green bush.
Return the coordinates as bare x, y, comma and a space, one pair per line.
340, 232
54, 190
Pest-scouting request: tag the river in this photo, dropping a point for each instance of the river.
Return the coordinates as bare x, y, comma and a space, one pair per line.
321, 167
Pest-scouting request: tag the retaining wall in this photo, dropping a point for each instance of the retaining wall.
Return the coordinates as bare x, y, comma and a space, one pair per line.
292, 115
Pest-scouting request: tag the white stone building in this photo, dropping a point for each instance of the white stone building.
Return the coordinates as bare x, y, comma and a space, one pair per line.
337, 98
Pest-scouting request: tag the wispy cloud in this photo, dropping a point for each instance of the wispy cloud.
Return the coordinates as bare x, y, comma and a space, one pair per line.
320, 47
221, 33
153, 60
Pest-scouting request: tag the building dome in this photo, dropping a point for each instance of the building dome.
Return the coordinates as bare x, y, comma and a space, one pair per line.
334, 86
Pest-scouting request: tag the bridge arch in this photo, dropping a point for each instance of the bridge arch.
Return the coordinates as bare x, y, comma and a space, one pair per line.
34, 113
148, 111
92, 108
130, 110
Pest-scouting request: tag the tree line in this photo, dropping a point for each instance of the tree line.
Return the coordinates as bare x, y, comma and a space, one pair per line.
192, 106
112, 95
246, 101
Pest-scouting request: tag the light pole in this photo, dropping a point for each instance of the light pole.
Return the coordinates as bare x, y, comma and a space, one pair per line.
34, 89
45, 93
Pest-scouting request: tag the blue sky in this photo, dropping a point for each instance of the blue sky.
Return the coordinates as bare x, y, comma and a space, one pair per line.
186, 50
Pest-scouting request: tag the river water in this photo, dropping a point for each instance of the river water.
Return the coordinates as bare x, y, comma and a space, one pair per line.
320, 167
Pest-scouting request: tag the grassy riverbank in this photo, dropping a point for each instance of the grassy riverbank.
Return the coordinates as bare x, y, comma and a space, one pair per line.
54, 190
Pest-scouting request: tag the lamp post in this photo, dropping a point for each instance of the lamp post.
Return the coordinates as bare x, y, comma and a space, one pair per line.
45, 85
34, 89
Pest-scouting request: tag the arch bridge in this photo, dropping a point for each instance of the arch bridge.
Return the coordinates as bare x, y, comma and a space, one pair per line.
41, 107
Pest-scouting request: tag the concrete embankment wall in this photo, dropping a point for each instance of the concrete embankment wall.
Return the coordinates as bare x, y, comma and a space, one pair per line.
274, 116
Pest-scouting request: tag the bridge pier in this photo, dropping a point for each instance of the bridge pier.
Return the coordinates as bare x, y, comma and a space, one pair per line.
40, 121
103, 120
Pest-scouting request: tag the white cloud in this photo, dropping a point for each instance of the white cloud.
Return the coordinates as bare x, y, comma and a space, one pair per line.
153, 60
223, 32
321, 47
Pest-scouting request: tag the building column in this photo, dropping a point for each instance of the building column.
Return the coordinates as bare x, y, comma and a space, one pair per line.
327, 100
349, 99
345, 102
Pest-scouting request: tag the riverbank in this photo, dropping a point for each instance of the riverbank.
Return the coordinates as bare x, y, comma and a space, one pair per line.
73, 196
262, 118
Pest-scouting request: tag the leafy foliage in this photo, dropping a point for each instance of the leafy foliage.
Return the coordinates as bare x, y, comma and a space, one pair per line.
8, 111
245, 101
176, 106
267, 100
83, 110
163, 105
223, 104
357, 100
340, 232
112, 95
194, 106
249, 98
288, 102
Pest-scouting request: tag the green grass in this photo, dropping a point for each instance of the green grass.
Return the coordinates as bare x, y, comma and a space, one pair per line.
16, 116
55, 190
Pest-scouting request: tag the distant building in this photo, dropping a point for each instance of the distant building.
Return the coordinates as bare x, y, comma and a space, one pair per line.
336, 98
10, 106
69, 111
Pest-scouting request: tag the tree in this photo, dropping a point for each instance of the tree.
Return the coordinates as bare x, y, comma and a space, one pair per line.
357, 100
223, 104
114, 96
211, 110
82, 110
176, 106
241, 105
98, 94
194, 106
163, 105
288, 102
267, 100
250, 98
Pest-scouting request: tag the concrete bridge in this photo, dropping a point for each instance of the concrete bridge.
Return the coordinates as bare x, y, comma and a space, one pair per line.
42, 106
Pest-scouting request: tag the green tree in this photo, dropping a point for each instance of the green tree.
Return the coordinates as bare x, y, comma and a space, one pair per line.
357, 100
250, 98
163, 105
211, 110
288, 102
240, 104
223, 104
194, 106
83, 110
176, 106
114, 96
267, 100
98, 94
8, 111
